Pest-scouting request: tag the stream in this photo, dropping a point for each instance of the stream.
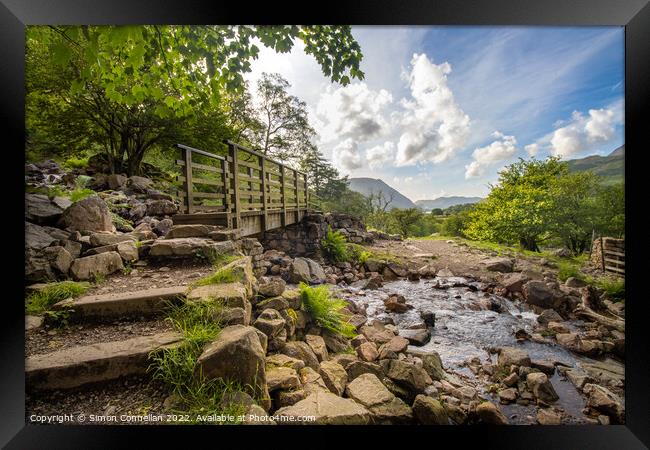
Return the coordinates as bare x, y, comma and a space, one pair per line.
466, 328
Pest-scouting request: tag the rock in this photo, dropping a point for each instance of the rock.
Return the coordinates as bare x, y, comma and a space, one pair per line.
189, 248
89, 267
511, 380
334, 376
282, 360
541, 387
509, 356
317, 344
37, 237
163, 227
306, 270
334, 342
282, 378
271, 286
327, 409
396, 345
605, 401
288, 398
499, 264
397, 304
270, 322
116, 181
40, 209
546, 416
59, 258
237, 355
416, 337
538, 293
490, 414
546, 367
411, 377
139, 184
549, 315
429, 411
103, 239
372, 283
312, 381
429, 318
578, 378
33, 322
432, 363
358, 340
368, 390
367, 351
377, 332
508, 395
514, 282
159, 208
89, 214
277, 303
128, 251
191, 230
301, 350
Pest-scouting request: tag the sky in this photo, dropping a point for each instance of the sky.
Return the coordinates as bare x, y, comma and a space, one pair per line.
442, 109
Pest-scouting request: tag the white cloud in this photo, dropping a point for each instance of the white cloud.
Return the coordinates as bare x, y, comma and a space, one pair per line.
353, 111
501, 149
434, 125
346, 155
583, 132
381, 154
532, 149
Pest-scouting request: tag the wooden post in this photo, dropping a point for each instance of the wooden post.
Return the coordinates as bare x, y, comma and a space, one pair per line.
283, 196
187, 153
235, 177
602, 253
264, 195
295, 186
226, 192
306, 192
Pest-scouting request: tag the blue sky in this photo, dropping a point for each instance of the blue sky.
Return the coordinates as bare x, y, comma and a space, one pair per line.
443, 109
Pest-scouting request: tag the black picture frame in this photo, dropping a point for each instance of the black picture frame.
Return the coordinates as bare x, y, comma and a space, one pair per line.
634, 15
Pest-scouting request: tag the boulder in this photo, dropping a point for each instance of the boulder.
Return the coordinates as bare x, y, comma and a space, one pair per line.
334, 342
396, 345
541, 387
59, 258
397, 304
271, 286
139, 184
189, 248
300, 350
288, 398
499, 264
326, 409
416, 337
40, 209
432, 363
490, 414
429, 411
282, 378
514, 282
312, 381
237, 355
509, 356
508, 395
546, 416
605, 401
270, 322
102, 239
281, 360
334, 376
37, 237
128, 251
163, 227
549, 315
189, 231
385, 408
116, 181
367, 351
159, 208
377, 332
409, 376
317, 345
306, 270
575, 283
89, 267
89, 214
356, 368
538, 293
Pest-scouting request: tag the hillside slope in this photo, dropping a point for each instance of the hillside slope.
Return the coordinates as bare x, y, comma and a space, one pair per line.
446, 202
367, 186
610, 167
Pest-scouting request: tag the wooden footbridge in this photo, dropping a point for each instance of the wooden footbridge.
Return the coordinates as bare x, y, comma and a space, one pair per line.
243, 190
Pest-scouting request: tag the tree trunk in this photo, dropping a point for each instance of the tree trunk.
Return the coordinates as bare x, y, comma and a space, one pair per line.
528, 243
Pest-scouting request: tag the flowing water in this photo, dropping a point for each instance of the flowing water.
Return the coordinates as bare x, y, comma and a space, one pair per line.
467, 324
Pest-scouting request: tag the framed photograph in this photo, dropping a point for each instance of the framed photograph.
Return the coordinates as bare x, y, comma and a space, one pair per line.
371, 217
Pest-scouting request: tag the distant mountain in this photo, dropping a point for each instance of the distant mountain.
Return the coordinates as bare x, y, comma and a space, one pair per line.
445, 202
610, 167
367, 186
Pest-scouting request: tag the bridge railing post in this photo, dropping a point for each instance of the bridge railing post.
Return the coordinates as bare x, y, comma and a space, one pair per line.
265, 198
283, 196
232, 149
189, 197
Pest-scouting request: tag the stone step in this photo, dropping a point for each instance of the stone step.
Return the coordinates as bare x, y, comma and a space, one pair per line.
122, 304
77, 366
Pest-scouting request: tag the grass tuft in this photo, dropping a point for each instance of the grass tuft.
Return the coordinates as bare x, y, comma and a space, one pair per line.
41, 300
566, 270
615, 288
223, 275
325, 310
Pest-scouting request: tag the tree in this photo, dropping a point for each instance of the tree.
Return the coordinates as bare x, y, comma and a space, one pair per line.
405, 219
609, 204
130, 86
520, 206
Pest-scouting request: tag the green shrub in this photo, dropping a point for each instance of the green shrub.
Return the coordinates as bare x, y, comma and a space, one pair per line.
75, 162
41, 300
325, 310
334, 246
357, 253
566, 270
80, 193
615, 288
